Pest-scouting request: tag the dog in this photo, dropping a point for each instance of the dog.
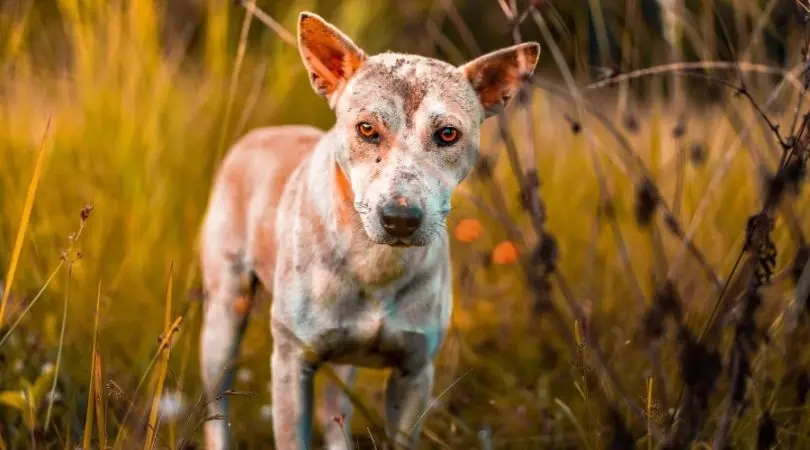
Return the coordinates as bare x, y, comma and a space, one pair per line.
346, 229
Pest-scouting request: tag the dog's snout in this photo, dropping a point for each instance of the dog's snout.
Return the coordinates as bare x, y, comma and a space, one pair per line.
400, 218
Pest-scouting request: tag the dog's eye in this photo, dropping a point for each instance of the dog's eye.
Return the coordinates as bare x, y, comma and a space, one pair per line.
368, 132
447, 136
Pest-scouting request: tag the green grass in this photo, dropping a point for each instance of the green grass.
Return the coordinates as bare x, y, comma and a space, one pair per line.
137, 122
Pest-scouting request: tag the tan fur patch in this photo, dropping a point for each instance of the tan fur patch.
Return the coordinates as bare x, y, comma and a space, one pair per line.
344, 196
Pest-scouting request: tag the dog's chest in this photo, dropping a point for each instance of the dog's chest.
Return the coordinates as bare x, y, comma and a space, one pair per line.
377, 309
375, 329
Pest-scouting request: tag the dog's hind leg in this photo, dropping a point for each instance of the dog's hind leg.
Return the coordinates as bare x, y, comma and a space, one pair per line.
335, 408
230, 289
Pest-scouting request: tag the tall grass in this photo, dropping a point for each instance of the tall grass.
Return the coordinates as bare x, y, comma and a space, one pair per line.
140, 119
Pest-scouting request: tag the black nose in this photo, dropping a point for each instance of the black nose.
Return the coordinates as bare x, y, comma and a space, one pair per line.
399, 218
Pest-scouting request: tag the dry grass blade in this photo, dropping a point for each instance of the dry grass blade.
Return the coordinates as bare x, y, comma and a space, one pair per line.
26, 216
240, 55
88, 420
31, 414
435, 400
91, 407
98, 381
650, 381
98, 394
163, 343
371, 436
184, 364
583, 435
271, 23
790, 76
163, 368
461, 27
803, 286
285, 36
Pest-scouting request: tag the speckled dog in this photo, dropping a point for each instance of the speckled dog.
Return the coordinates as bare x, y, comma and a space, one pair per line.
346, 228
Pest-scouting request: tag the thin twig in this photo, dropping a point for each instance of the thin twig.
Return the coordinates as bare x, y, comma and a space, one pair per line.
743, 66
270, 22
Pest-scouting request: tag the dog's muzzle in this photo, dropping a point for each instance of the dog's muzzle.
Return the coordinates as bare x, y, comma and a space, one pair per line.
400, 218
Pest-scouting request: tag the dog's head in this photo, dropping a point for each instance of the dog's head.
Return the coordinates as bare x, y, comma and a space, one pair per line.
407, 126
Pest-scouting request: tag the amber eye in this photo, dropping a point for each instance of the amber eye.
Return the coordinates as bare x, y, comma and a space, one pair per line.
447, 136
368, 132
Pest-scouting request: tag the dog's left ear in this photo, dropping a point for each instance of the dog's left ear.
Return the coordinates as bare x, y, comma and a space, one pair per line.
330, 57
498, 76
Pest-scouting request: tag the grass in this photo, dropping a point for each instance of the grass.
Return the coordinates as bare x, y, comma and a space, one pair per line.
574, 344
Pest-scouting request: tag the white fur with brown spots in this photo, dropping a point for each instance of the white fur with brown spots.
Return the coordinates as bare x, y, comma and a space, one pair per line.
346, 229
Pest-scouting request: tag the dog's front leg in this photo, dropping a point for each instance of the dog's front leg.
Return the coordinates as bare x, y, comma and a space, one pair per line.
333, 404
407, 396
292, 379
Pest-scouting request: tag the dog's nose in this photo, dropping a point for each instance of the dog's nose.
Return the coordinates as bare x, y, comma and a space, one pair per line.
400, 218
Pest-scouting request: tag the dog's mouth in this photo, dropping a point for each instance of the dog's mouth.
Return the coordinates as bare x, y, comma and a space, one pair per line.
406, 243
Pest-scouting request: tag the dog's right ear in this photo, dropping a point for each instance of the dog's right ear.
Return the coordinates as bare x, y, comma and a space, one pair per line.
330, 57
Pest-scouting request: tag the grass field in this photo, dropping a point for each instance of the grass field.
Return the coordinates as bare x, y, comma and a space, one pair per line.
586, 309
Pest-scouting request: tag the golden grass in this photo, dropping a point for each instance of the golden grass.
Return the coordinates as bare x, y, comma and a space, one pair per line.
26, 216
98, 399
163, 367
95, 391
138, 127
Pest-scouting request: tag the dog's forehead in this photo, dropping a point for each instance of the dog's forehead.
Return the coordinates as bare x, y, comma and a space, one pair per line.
410, 80
404, 65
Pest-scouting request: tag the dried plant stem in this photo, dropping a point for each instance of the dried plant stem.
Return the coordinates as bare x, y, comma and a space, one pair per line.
578, 313
88, 420
607, 369
271, 23
721, 434
61, 346
64, 260
672, 222
718, 176
163, 368
240, 55
562, 285
99, 398
32, 302
437, 398
650, 381
461, 27
165, 339
790, 76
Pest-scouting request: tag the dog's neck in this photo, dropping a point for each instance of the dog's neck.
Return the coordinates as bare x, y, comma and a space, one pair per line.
370, 263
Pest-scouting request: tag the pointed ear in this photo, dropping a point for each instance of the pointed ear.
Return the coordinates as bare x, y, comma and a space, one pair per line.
498, 76
330, 57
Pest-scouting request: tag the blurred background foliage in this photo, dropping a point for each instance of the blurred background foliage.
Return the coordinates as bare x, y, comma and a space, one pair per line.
145, 97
